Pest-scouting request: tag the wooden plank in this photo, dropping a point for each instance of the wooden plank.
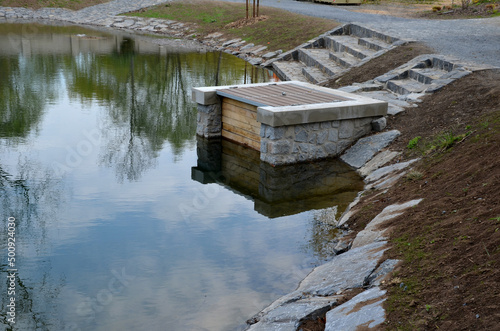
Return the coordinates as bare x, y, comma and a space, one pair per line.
229, 109
239, 104
281, 95
241, 132
241, 140
237, 122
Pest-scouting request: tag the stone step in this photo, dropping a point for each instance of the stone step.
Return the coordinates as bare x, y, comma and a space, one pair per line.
343, 59
319, 58
348, 44
426, 75
289, 70
314, 75
406, 86
374, 43
363, 32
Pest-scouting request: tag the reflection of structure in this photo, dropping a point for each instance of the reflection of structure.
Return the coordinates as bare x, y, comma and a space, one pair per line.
277, 191
72, 44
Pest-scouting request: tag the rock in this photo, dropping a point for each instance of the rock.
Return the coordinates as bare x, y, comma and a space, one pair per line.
393, 109
348, 212
124, 24
386, 267
214, 35
379, 173
385, 182
283, 326
341, 247
287, 316
360, 311
350, 89
372, 233
2, 14
379, 124
367, 147
232, 41
378, 161
247, 47
236, 45
369, 86
346, 271
269, 55
255, 61
258, 49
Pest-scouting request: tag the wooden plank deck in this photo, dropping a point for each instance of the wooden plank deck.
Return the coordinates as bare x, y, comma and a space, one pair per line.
279, 95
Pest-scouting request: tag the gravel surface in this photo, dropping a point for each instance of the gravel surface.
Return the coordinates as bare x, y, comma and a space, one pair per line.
473, 40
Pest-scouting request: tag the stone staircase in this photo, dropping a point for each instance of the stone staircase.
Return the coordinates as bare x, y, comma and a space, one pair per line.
407, 84
333, 53
424, 74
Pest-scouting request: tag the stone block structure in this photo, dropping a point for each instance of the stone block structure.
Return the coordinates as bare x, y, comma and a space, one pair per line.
288, 122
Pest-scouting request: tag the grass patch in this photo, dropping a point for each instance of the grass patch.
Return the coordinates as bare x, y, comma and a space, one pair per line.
281, 30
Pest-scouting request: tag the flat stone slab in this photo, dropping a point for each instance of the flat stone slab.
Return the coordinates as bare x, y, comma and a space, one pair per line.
377, 162
288, 316
230, 42
367, 147
379, 173
364, 310
372, 233
346, 271
382, 271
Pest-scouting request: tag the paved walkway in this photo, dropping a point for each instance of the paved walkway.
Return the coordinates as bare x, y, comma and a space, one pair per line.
475, 40
87, 15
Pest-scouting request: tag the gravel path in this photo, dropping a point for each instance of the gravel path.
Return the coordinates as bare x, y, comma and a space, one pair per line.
475, 40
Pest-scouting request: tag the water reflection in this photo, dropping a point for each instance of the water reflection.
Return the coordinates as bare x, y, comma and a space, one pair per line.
276, 191
97, 141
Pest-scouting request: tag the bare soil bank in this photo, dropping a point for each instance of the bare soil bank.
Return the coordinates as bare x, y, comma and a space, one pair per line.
450, 242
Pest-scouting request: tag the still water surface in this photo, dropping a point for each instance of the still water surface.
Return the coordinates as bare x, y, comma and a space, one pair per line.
121, 224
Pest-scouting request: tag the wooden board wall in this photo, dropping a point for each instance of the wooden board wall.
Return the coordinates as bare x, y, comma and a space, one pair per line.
239, 123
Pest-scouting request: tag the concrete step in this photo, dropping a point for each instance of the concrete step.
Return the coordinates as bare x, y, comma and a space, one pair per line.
406, 86
314, 75
320, 58
343, 59
348, 44
289, 70
363, 32
426, 75
374, 43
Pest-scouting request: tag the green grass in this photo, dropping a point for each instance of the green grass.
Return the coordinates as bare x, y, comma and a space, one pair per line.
282, 30
413, 143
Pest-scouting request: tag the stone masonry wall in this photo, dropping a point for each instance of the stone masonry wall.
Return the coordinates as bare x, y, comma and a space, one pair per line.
209, 120
313, 141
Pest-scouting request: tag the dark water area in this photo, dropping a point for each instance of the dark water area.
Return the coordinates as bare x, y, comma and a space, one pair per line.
124, 219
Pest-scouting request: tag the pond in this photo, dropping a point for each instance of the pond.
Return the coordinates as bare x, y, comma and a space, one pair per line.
124, 219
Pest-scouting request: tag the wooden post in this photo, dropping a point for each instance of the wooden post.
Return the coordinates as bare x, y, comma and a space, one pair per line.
258, 5
253, 9
247, 9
